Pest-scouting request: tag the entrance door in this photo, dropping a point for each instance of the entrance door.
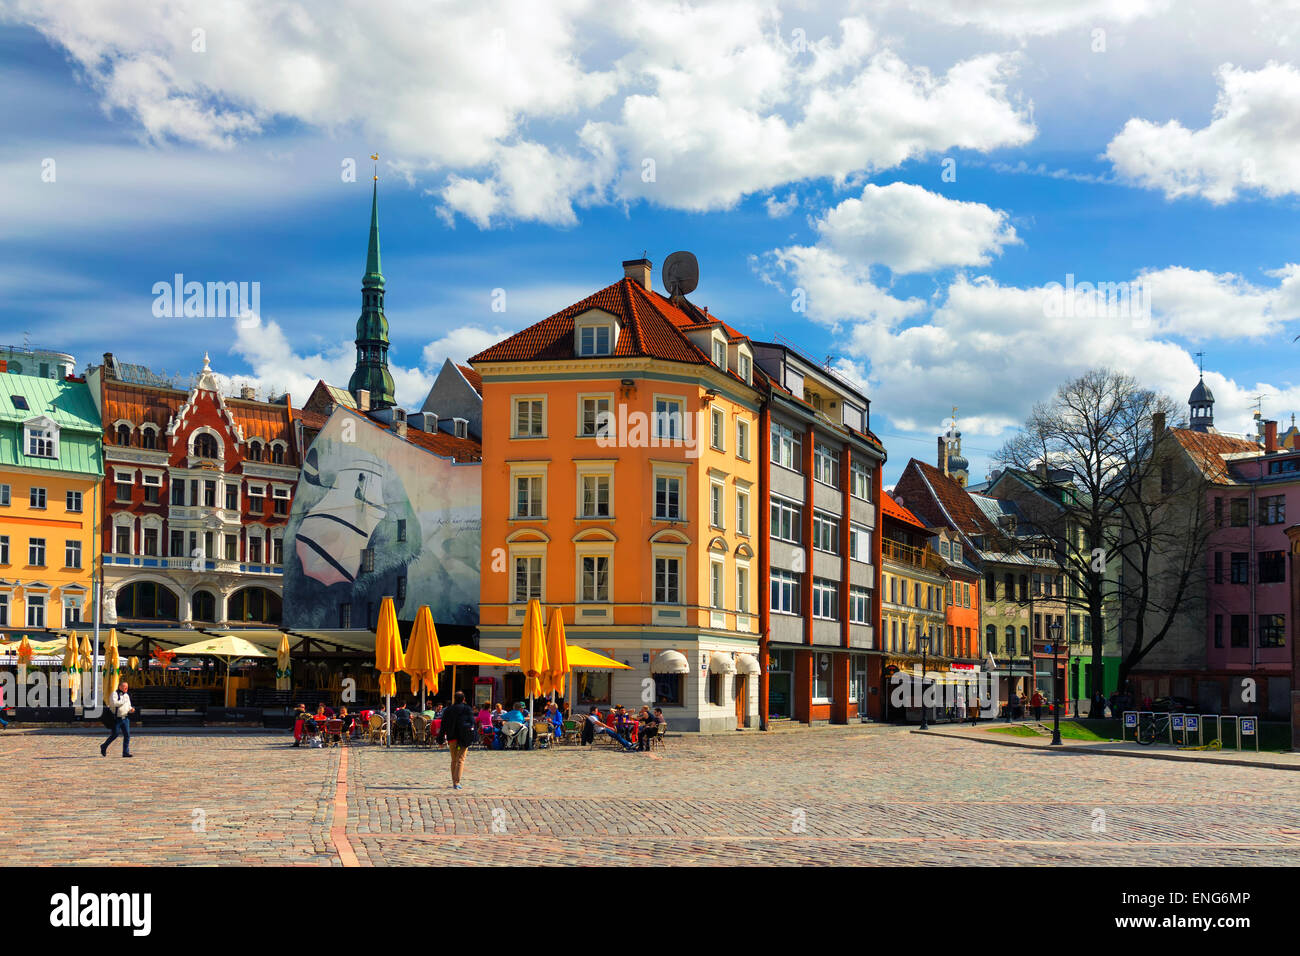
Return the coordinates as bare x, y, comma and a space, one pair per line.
742, 699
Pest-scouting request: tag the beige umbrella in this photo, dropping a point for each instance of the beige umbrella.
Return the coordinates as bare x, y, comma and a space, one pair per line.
283, 673
70, 671
112, 664
226, 647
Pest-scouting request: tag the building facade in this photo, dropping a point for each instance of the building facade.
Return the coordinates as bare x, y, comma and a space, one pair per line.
50, 470
196, 499
819, 476
626, 475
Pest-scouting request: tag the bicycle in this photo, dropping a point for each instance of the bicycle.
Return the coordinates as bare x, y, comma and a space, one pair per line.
1151, 727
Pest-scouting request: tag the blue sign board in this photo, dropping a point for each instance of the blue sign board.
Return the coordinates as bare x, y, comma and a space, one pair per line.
1130, 719
1177, 720
1193, 722
1247, 726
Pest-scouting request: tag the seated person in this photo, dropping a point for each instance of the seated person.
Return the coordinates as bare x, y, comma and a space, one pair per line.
347, 723
649, 727
594, 722
300, 718
498, 714
555, 719
401, 722
320, 714
485, 717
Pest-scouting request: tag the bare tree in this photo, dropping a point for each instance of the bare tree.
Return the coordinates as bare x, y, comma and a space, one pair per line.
1086, 459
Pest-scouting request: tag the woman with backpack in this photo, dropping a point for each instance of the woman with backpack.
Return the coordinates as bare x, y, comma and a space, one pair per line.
457, 728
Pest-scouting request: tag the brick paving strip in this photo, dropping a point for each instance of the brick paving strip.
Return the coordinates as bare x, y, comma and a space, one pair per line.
1117, 748
339, 824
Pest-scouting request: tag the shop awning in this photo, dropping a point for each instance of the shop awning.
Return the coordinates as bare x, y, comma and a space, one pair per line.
720, 663
670, 662
746, 664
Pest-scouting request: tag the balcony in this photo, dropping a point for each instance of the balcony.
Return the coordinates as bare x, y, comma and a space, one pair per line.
903, 554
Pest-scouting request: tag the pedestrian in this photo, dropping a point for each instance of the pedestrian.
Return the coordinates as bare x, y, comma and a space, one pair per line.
3, 723
976, 703
119, 706
457, 729
961, 707
1037, 703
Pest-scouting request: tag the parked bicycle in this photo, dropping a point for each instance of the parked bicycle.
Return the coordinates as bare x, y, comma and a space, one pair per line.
1152, 727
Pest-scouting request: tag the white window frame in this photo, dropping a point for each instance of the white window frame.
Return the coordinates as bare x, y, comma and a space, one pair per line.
539, 477
594, 551
515, 402
820, 589
657, 421
32, 545
821, 520
742, 438
789, 445
669, 473
860, 474
35, 603
859, 605
595, 398
742, 511
858, 536
35, 493
796, 521
826, 464
717, 592
785, 583
718, 505
663, 552
717, 428
41, 439
603, 471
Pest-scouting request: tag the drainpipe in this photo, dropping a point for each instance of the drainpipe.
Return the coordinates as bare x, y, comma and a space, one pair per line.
1253, 577
764, 554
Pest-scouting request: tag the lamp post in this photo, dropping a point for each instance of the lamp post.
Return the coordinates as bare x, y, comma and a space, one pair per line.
925, 650
1055, 630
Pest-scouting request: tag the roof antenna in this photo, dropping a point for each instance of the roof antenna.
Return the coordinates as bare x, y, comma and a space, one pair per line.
681, 274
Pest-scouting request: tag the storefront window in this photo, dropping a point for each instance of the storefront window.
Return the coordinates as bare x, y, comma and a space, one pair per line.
780, 682
669, 688
593, 688
822, 677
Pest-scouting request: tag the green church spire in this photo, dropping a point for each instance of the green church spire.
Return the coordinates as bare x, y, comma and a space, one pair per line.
372, 373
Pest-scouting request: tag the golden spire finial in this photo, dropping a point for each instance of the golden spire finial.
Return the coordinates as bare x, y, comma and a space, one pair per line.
375, 157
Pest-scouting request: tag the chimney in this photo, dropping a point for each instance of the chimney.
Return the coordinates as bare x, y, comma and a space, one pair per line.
109, 367
399, 427
4, 365
246, 393
363, 399
1157, 425
943, 455
639, 271
1270, 437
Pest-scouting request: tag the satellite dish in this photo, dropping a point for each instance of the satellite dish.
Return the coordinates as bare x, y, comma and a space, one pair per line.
681, 273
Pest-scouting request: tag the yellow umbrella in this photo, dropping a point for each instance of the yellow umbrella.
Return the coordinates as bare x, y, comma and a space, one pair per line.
580, 657
70, 666
112, 663
225, 647
423, 662
24, 655
458, 655
557, 654
283, 675
532, 655
86, 663
388, 653
133, 663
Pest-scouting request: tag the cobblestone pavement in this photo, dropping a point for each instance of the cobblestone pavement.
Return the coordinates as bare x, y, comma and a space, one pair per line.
851, 796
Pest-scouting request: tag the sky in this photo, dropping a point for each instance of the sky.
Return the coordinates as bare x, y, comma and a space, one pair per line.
900, 189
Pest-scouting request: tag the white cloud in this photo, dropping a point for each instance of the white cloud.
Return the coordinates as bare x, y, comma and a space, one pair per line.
510, 111
1199, 304
883, 226
780, 208
1037, 17
1248, 146
459, 344
831, 289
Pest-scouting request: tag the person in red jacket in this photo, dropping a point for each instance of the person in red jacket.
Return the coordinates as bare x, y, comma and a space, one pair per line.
1037, 703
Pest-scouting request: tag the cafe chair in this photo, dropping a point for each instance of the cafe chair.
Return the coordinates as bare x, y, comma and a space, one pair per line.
420, 728
543, 735
375, 732
333, 731
659, 736
572, 732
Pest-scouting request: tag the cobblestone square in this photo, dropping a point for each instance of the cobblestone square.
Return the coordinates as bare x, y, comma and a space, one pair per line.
852, 795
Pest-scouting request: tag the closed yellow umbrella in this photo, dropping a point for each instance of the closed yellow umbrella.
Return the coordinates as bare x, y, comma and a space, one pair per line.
388, 655
423, 662
557, 654
532, 655
87, 663
283, 674
112, 664
24, 655
133, 663
71, 673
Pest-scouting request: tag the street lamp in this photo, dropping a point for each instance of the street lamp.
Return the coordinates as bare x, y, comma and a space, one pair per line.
925, 650
1055, 629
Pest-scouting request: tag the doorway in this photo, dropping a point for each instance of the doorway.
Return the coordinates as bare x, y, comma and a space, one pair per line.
742, 699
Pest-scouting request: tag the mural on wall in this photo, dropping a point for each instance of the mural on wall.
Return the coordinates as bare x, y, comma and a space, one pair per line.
372, 509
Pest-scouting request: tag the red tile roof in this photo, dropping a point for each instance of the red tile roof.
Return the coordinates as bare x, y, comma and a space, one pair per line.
1207, 448
891, 508
651, 326
952, 497
473, 377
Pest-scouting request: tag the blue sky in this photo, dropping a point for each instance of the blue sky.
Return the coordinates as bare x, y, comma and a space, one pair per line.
795, 147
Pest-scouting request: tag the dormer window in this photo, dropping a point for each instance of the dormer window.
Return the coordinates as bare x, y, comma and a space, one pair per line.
277, 454
205, 446
254, 451
41, 438
720, 353
744, 367
596, 340
462, 427
124, 434
148, 437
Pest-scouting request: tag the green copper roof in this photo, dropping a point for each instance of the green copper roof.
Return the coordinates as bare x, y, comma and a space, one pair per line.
69, 405
372, 254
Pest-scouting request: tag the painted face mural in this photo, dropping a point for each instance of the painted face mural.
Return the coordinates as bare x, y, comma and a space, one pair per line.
376, 516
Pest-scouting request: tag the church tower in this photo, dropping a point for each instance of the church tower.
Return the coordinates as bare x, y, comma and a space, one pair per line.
951, 460
372, 373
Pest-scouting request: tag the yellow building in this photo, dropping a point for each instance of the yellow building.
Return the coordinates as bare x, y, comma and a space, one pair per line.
50, 471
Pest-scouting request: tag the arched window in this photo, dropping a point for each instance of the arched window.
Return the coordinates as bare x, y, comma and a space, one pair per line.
146, 600
205, 446
277, 454
148, 437
203, 606
1011, 639
991, 639
124, 434
254, 605
1024, 640
1024, 587
255, 451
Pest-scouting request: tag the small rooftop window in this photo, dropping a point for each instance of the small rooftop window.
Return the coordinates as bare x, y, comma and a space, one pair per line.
19, 402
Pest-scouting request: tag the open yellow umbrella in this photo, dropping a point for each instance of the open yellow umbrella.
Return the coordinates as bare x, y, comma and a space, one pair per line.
283, 674
225, 647
458, 655
70, 671
532, 654
580, 657
112, 663
422, 659
557, 654
388, 656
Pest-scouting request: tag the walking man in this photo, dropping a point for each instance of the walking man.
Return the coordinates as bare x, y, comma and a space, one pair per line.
119, 706
457, 728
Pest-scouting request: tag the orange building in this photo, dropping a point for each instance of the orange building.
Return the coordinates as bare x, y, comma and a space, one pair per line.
624, 491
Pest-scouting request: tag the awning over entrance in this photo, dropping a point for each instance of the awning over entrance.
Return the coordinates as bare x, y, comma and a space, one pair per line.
746, 664
721, 664
670, 662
